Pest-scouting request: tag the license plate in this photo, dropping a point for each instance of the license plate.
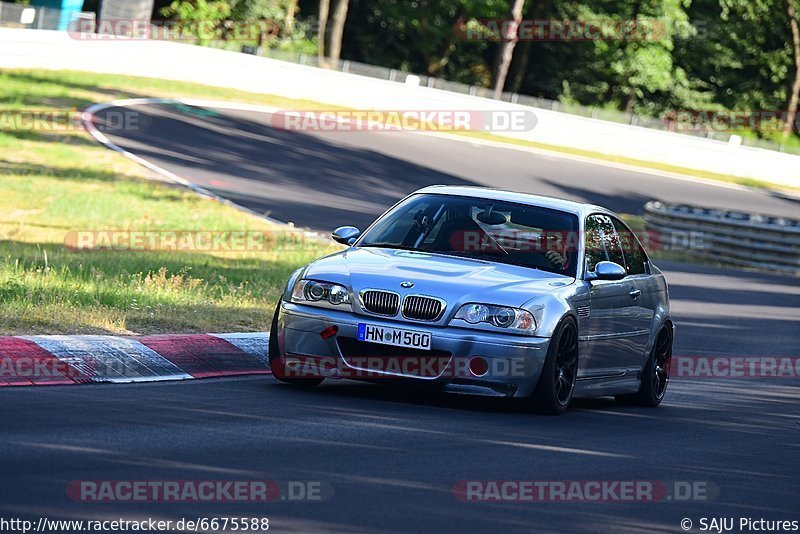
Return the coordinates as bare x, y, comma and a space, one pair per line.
394, 336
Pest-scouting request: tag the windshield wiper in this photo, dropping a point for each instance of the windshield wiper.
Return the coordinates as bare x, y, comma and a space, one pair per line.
501, 259
392, 246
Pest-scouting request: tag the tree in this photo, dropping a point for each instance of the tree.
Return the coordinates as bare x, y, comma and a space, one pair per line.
424, 36
288, 20
324, 7
271, 10
337, 30
263, 13
746, 57
507, 48
203, 17
519, 63
795, 91
708, 55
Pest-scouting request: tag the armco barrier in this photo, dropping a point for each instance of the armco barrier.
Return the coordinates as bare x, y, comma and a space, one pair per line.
173, 61
748, 239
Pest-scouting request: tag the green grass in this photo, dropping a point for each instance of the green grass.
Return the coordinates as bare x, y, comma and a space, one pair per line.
53, 183
38, 89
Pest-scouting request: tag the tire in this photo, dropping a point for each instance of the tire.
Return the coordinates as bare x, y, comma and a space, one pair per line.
655, 375
277, 363
556, 384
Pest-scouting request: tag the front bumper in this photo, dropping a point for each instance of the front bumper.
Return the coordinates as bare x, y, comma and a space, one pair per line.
514, 362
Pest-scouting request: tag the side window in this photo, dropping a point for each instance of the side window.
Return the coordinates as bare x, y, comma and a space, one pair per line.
635, 258
602, 242
595, 250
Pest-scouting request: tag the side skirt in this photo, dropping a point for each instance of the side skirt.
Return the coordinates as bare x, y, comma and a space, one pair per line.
605, 386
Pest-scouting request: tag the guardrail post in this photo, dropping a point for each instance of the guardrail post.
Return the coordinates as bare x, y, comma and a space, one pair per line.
412, 80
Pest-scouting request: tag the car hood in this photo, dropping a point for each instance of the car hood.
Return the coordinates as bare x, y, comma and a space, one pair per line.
457, 280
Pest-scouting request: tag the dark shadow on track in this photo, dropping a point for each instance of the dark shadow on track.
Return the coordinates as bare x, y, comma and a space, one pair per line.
293, 176
630, 202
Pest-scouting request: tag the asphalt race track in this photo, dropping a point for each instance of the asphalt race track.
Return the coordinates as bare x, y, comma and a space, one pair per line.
327, 179
393, 456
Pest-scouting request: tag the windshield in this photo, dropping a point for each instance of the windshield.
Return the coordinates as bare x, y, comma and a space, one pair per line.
477, 228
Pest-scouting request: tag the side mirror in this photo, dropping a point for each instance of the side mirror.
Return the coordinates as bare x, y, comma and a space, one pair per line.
346, 235
607, 270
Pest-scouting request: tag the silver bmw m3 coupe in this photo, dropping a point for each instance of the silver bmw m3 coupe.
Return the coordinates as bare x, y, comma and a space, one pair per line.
482, 292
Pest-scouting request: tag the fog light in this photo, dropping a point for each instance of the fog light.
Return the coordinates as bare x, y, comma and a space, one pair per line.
329, 332
478, 366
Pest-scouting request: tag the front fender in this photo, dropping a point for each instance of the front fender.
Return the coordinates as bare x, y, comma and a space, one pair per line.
548, 310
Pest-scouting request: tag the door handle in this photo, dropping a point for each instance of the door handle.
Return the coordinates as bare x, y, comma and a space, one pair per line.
634, 293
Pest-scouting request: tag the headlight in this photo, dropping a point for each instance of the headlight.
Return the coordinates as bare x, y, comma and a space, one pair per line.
323, 294
501, 317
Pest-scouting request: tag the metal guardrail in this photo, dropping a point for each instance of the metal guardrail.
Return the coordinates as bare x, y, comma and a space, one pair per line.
748, 239
24, 16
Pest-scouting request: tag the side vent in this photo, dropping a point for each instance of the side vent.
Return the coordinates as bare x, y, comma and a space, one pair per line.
583, 311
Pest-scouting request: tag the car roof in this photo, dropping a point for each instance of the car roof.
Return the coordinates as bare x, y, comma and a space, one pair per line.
578, 208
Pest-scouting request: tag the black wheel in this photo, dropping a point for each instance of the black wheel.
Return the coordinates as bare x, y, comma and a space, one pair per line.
556, 384
655, 375
277, 363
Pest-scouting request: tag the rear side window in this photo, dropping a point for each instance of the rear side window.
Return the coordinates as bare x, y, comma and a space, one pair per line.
602, 242
635, 258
